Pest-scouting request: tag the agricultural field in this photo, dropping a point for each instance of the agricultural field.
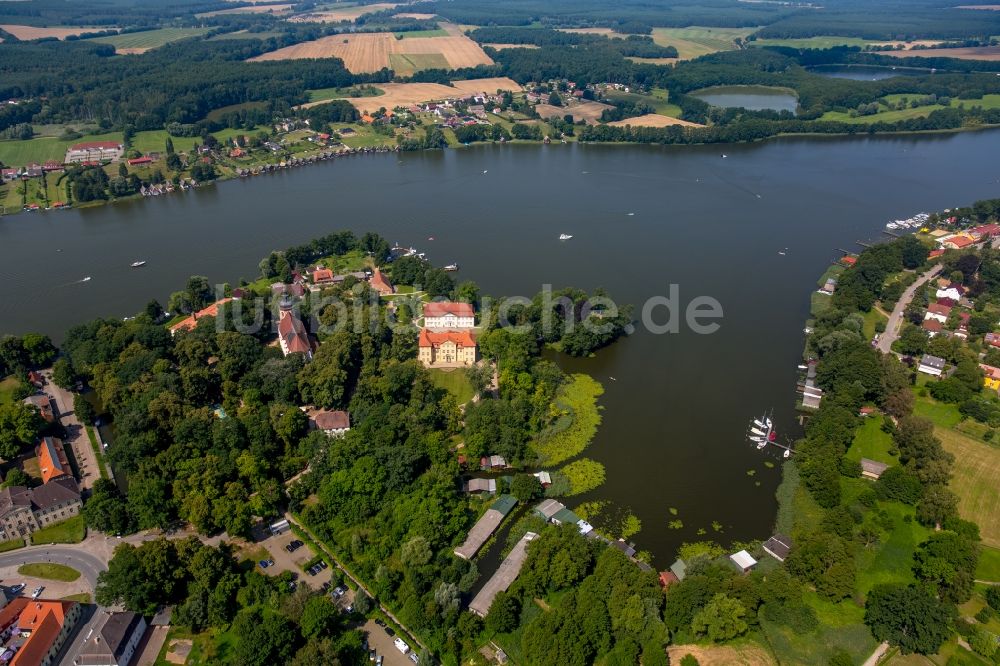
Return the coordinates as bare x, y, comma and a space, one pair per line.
370, 52
405, 94
886, 115
653, 120
252, 9
326, 94
819, 42
28, 32
411, 34
342, 13
501, 47
976, 481
697, 41
140, 42
991, 53
589, 112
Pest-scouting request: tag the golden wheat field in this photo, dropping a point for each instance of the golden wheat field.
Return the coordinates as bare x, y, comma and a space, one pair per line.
28, 32
405, 94
653, 120
343, 14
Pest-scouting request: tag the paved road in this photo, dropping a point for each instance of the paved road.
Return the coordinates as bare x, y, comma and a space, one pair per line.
896, 318
88, 564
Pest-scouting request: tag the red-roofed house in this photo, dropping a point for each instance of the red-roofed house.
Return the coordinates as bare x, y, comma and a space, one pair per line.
51, 166
333, 423
668, 578
985, 231
322, 276
957, 242
935, 253
43, 627
52, 460
939, 312
292, 335
139, 161
446, 349
447, 314
932, 326
381, 284
848, 260
95, 151
192, 321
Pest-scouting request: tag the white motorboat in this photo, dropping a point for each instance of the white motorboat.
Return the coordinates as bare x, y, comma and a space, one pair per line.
451, 267
759, 433
565, 236
761, 445
788, 453
137, 264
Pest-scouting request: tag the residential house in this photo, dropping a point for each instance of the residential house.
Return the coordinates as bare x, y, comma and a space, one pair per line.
957, 241
934, 254
25, 510
544, 478
190, 322
292, 336
492, 463
95, 151
743, 561
448, 314
992, 339
931, 365
380, 283
51, 166
33, 631
446, 349
36, 379
113, 639
778, 547
679, 569
848, 260
557, 513
872, 469
985, 231
139, 161
991, 376
668, 578
33, 170
10, 174
932, 327
332, 422
43, 404
829, 287
52, 462
938, 312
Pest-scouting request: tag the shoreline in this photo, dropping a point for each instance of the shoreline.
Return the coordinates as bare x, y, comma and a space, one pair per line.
326, 156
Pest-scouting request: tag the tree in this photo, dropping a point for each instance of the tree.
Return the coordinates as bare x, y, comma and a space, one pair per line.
263, 639
319, 617
908, 616
83, 410
16, 477
721, 619
19, 427
170, 146
106, 510
63, 375
504, 615
525, 487
937, 504
554, 99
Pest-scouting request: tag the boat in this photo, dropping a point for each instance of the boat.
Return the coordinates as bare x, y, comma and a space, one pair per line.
137, 264
565, 236
788, 453
759, 423
761, 445
756, 431
451, 267
86, 279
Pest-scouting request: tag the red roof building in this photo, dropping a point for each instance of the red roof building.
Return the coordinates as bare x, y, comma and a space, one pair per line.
292, 335
935, 253
848, 260
985, 230
139, 161
47, 625
668, 578
449, 314
322, 276
381, 284
447, 349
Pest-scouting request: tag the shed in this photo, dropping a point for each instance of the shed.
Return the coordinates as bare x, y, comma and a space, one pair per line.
872, 469
743, 561
679, 569
481, 486
778, 547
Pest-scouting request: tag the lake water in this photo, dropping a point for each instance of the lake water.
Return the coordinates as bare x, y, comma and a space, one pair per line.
864, 72
675, 418
755, 98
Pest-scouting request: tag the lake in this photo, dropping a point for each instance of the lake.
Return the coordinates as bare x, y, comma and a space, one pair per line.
865, 72
676, 413
755, 98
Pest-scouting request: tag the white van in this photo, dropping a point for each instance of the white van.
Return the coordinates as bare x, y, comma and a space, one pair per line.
401, 645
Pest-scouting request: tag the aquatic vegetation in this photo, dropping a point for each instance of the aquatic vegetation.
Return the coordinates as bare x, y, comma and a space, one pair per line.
673, 511
675, 524
630, 526
751, 472
576, 425
590, 511
584, 475
717, 526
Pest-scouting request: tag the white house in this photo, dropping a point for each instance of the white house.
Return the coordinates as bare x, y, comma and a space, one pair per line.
743, 561
448, 314
950, 292
931, 365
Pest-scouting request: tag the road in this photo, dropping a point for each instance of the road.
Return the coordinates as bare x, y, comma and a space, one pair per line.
76, 435
892, 327
876, 655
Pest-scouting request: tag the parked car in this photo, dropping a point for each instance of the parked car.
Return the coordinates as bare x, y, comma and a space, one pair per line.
37, 592
16, 589
401, 645
324, 587
350, 608
295, 545
414, 658
371, 655
378, 662
322, 564
389, 630
265, 563
339, 591
379, 622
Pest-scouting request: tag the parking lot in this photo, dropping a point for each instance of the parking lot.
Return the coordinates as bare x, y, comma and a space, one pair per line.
294, 561
381, 642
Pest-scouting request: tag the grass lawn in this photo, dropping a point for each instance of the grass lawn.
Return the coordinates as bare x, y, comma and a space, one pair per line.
657, 100
13, 544
8, 385
150, 39
989, 565
323, 94
72, 530
49, 571
872, 318
405, 64
98, 454
819, 42
976, 481
209, 647
455, 382
871, 442
439, 32
886, 115
942, 414
841, 626
697, 41
365, 137
891, 560
83, 597
42, 149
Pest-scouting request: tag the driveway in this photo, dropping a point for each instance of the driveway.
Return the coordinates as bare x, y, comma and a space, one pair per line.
892, 327
76, 435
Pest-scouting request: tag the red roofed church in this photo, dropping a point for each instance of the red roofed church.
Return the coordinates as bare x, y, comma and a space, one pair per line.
381, 284
446, 349
292, 335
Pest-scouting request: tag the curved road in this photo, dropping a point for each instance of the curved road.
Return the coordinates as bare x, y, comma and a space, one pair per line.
896, 318
72, 556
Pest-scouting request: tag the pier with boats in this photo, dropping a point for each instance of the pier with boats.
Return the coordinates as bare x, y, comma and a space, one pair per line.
762, 433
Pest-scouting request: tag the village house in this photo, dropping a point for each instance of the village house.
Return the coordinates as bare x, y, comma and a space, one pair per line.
557, 513
872, 469
51, 166
10, 174
480, 486
33, 170
985, 231
992, 339
828, 287
25, 510
95, 151
743, 561
113, 639
991, 376
446, 349
43, 404
957, 241
668, 578
447, 314
334, 423
33, 631
931, 365
938, 312
932, 327
380, 283
139, 161
191, 322
492, 463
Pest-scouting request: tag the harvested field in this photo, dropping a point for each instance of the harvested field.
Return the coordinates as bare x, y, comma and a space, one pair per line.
27, 32
501, 47
589, 112
744, 655
370, 52
653, 120
345, 14
140, 42
405, 94
976, 481
254, 9
416, 16
653, 61
697, 41
968, 53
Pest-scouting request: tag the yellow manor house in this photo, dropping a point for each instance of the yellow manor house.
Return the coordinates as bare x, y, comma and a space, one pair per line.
446, 348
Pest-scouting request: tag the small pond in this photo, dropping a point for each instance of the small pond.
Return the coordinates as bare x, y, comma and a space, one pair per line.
755, 98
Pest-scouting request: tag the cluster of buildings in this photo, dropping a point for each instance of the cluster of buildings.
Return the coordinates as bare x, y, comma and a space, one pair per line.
446, 339
24, 511
959, 240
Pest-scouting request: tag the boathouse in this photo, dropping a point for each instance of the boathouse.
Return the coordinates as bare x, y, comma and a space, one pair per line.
743, 561
486, 526
778, 547
505, 575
